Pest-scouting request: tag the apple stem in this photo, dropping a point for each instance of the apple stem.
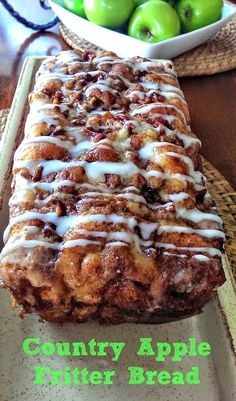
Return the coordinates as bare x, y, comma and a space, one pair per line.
147, 32
188, 13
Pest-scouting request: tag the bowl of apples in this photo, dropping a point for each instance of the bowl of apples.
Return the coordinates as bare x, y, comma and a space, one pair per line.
148, 28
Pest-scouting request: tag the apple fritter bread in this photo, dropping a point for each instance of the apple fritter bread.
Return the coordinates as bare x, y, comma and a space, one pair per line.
110, 218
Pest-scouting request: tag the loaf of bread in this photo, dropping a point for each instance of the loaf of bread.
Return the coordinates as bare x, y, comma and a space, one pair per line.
110, 218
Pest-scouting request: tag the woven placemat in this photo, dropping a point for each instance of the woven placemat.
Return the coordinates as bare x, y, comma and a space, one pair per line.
225, 200
3, 120
216, 55
221, 191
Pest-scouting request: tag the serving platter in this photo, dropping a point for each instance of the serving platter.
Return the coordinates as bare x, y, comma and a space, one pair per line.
216, 325
126, 46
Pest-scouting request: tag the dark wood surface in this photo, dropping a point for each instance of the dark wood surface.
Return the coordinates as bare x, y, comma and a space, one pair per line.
212, 99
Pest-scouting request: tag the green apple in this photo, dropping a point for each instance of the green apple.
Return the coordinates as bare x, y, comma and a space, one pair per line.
195, 14
75, 6
108, 13
154, 21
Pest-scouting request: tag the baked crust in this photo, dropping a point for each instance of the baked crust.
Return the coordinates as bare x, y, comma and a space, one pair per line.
110, 218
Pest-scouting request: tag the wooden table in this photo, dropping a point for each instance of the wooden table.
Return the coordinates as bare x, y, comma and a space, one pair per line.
212, 100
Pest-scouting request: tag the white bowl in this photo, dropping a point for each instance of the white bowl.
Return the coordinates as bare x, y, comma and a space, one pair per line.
125, 46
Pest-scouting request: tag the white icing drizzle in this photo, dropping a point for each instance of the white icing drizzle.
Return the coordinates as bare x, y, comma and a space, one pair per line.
167, 94
44, 139
197, 175
187, 139
180, 197
23, 186
102, 85
147, 230
65, 223
188, 230
147, 108
162, 87
76, 143
145, 65
104, 59
196, 216
102, 168
96, 171
133, 197
209, 250
147, 152
166, 176
11, 246
200, 258
165, 65
115, 243
79, 242
129, 196
41, 118
175, 254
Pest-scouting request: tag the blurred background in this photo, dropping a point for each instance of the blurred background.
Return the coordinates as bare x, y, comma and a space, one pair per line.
17, 41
